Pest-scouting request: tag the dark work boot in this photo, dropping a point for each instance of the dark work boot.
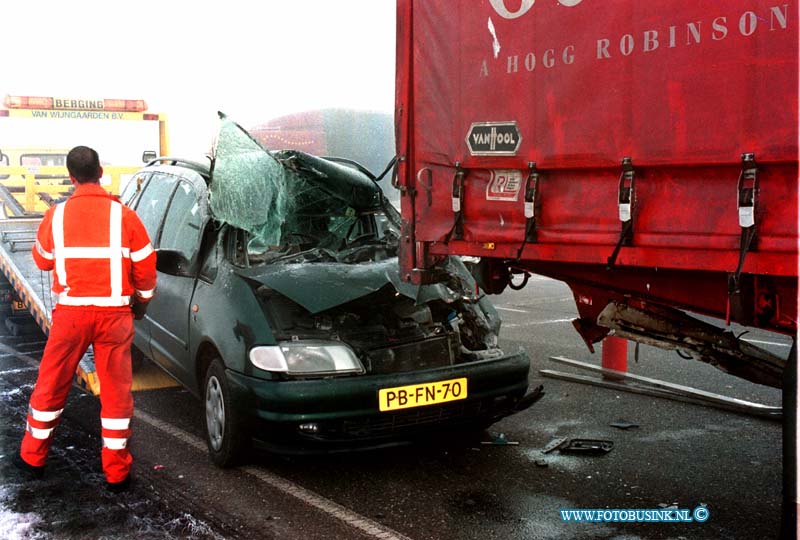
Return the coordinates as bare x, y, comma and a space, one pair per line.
30, 472
119, 487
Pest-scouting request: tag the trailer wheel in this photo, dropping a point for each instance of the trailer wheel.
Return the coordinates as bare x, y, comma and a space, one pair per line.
225, 433
492, 276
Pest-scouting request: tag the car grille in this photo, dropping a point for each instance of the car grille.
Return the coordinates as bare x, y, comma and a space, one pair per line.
424, 354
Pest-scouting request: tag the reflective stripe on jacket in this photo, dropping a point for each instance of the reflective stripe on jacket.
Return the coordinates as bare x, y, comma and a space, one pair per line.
99, 249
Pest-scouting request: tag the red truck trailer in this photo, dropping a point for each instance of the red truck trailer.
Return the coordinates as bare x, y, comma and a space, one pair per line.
645, 153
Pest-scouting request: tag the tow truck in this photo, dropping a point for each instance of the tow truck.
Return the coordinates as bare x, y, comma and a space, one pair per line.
35, 135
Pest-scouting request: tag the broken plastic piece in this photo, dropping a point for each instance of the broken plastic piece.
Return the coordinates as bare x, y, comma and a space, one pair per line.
587, 446
500, 440
554, 445
622, 424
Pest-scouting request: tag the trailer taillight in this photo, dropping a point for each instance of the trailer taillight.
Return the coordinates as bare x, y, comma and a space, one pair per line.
149, 116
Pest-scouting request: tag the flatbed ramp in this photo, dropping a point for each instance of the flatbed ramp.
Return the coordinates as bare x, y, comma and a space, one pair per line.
32, 286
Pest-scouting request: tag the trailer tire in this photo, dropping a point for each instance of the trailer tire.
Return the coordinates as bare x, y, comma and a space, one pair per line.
225, 433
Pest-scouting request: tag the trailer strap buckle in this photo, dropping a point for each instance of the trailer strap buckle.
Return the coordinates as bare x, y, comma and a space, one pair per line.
456, 232
625, 200
747, 200
626, 193
531, 201
747, 190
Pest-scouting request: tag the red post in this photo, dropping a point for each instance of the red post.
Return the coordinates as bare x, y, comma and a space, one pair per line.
615, 353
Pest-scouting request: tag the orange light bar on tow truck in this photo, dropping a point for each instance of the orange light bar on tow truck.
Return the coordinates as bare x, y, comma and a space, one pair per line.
71, 104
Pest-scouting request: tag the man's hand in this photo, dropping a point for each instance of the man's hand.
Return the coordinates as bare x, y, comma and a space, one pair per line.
139, 309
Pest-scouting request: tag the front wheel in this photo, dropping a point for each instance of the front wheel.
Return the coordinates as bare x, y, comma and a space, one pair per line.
225, 434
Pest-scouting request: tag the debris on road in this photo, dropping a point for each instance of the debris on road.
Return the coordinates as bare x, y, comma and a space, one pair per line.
587, 446
622, 424
500, 440
578, 446
554, 445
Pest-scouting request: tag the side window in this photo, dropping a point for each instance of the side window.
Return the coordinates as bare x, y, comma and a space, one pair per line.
181, 229
208, 271
153, 203
133, 189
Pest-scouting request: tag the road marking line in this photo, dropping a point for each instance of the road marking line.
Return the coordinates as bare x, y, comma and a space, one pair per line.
535, 323
22, 356
511, 309
331, 508
364, 524
18, 352
768, 342
28, 343
18, 370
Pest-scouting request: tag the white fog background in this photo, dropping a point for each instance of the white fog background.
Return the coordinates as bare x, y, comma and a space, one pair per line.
252, 60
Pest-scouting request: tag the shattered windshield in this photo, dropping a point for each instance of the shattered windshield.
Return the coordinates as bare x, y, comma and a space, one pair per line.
248, 186
290, 203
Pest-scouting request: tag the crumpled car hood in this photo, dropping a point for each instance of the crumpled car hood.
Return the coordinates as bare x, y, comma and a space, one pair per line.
324, 285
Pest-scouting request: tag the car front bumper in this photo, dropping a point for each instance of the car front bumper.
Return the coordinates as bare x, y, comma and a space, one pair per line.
343, 412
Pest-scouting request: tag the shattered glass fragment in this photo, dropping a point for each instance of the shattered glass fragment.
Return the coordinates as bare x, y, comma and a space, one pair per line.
248, 185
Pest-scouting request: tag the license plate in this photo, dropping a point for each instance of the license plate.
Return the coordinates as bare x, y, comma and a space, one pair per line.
419, 395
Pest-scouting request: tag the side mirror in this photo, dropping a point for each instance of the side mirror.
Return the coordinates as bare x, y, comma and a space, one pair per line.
172, 262
148, 156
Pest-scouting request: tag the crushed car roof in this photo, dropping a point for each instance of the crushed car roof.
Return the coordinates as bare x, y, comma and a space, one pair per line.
259, 191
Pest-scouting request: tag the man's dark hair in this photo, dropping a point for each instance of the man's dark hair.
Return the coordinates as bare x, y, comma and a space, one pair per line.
83, 164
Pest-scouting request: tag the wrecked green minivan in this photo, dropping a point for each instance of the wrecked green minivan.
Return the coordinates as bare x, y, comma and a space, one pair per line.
280, 304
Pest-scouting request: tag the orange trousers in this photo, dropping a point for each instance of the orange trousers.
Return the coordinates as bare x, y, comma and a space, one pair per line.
72, 331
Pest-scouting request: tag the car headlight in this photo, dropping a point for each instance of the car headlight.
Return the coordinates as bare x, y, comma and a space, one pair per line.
306, 358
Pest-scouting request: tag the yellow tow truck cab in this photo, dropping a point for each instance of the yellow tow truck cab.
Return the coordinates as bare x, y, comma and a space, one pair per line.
37, 132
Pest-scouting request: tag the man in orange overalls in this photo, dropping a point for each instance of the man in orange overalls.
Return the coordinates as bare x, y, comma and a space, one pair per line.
104, 276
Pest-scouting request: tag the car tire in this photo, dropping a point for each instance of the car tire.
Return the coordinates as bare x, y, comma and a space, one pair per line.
225, 434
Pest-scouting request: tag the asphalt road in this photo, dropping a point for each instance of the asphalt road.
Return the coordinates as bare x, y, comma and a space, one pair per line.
680, 455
